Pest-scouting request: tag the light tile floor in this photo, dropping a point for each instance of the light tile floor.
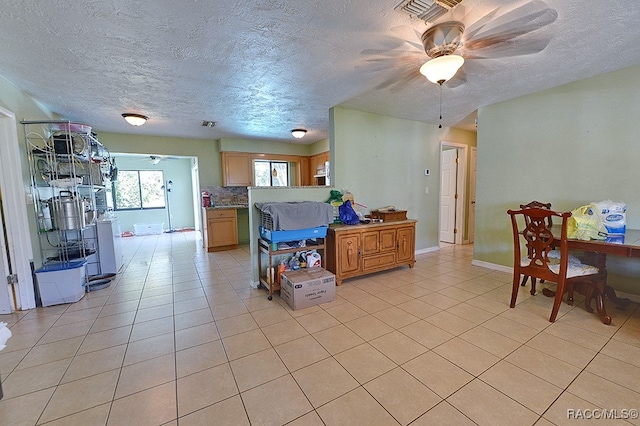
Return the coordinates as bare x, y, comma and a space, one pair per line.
181, 338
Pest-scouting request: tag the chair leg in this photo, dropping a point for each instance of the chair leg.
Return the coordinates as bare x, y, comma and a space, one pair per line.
588, 297
557, 301
515, 288
524, 280
533, 286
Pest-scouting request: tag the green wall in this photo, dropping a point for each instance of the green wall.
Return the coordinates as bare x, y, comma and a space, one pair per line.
207, 151
569, 146
381, 161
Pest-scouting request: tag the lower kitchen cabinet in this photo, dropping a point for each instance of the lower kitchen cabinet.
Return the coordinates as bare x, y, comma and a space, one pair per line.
354, 250
220, 229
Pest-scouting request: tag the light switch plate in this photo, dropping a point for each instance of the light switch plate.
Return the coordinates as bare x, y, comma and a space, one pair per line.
427, 172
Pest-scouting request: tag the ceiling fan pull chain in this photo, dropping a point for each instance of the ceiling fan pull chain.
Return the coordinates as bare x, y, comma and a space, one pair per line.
440, 123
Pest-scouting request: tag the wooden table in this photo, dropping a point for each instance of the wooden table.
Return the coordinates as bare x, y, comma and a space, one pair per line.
597, 251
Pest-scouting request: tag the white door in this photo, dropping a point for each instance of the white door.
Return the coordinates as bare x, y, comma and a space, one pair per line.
5, 301
448, 193
472, 193
16, 245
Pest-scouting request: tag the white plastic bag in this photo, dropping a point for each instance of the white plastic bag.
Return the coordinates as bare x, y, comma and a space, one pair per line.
613, 215
5, 333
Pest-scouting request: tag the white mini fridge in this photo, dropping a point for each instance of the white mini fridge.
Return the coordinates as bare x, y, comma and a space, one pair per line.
109, 245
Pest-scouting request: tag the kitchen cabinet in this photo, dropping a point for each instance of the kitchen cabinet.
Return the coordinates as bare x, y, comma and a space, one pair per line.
317, 168
237, 169
220, 229
354, 250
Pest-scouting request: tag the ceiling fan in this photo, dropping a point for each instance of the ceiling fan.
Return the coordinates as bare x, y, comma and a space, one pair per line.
459, 38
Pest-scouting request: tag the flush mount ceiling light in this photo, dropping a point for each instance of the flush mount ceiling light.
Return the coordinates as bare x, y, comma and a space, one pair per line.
443, 68
135, 119
298, 133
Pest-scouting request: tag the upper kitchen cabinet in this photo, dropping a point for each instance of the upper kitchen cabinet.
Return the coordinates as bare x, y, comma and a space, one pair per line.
247, 169
237, 169
318, 169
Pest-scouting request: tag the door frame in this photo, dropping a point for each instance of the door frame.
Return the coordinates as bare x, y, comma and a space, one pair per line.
15, 201
473, 164
463, 154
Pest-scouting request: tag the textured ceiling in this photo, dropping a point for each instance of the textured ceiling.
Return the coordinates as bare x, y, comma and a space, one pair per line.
262, 68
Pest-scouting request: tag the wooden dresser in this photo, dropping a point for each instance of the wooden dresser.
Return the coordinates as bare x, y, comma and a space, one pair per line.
354, 250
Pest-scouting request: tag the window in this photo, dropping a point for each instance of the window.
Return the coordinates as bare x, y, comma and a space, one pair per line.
271, 173
139, 189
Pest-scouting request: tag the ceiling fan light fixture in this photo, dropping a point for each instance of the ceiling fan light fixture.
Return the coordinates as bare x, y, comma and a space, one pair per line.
298, 133
443, 68
135, 119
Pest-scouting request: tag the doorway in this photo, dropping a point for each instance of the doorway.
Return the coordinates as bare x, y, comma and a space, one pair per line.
16, 252
453, 185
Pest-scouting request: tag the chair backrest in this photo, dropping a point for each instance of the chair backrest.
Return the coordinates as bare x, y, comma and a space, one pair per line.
535, 229
539, 205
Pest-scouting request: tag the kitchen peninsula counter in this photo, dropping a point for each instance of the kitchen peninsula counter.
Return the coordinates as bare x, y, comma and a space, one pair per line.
230, 206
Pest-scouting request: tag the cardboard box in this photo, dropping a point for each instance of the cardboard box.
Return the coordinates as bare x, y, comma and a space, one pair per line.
307, 287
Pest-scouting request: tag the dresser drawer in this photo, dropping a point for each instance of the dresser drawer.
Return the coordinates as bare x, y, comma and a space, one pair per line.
220, 213
375, 262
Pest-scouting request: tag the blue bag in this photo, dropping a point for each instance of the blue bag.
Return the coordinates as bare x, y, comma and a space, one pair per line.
347, 214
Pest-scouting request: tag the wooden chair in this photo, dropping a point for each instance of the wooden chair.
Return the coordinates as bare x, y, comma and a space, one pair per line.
535, 204
531, 226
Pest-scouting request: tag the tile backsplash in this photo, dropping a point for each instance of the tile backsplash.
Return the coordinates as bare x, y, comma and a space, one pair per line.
227, 195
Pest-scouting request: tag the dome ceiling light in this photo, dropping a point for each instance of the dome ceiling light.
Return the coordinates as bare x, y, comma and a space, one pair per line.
298, 133
135, 119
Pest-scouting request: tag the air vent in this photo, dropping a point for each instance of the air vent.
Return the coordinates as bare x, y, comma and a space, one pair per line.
206, 123
427, 10
450, 4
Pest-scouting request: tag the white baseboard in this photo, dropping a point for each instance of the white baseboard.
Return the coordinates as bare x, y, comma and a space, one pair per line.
493, 266
427, 250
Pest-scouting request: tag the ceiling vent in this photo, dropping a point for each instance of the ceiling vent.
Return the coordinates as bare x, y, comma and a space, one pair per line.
427, 10
207, 123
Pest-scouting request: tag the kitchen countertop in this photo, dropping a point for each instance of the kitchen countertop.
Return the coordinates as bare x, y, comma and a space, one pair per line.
230, 206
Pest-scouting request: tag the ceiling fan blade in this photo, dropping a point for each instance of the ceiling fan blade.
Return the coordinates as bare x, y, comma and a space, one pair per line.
408, 35
509, 48
402, 79
393, 53
524, 19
